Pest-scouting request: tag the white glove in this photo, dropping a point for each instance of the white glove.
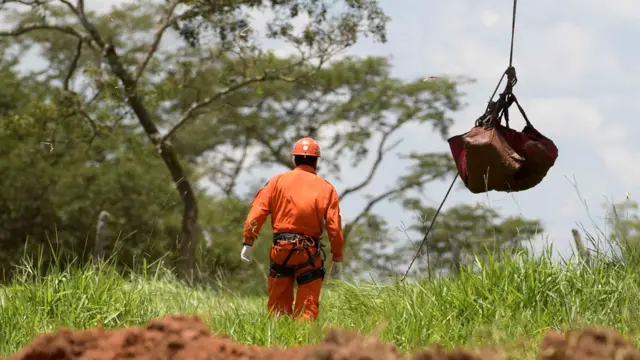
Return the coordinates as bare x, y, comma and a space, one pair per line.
245, 254
336, 269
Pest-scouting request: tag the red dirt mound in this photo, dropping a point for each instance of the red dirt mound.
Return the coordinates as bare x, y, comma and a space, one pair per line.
587, 344
185, 337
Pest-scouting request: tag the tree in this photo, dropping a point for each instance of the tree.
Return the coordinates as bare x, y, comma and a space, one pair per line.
92, 40
354, 107
62, 166
464, 232
59, 174
16, 204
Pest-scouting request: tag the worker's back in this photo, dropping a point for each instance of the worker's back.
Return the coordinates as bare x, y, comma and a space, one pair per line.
299, 201
301, 204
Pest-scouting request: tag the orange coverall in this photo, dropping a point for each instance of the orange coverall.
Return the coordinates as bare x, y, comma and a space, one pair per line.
299, 202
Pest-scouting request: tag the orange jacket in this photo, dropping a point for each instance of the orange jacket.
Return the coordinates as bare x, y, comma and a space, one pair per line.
298, 201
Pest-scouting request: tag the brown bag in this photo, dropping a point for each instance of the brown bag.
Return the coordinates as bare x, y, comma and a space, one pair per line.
494, 157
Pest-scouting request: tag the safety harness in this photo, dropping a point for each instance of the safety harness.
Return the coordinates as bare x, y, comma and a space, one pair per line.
300, 243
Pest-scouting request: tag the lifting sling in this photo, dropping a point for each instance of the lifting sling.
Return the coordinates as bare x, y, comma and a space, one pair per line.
492, 156
495, 157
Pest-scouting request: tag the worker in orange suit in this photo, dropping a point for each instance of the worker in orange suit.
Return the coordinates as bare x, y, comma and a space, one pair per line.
301, 203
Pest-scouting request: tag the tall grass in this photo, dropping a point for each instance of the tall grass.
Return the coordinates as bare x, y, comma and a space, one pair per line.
497, 303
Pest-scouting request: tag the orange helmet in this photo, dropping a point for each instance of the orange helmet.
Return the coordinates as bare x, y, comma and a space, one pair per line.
306, 146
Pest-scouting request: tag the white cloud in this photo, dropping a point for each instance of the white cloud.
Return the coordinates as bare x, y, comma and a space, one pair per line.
623, 163
570, 207
572, 118
489, 18
561, 53
468, 56
619, 9
626, 9
105, 5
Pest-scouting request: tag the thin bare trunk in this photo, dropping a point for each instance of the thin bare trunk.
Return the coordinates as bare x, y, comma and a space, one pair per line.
101, 227
583, 253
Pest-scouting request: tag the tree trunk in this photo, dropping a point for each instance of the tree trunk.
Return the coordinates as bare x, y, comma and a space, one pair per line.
186, 247
187, 242
456, 255
101, 228
583, 253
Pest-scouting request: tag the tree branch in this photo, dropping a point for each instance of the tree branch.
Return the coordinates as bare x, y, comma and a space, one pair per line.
79, 12
191, 113
166, 21
348, 227
73, 66
95, 97
88, 26
91, 122
81, 7
275, 152
63, 29
238, 168
379, 157
27, 29
71, 7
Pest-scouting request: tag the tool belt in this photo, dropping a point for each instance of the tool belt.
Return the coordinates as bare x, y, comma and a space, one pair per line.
299, 243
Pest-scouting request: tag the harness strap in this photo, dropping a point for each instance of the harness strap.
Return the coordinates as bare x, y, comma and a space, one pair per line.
283, 270
311, 275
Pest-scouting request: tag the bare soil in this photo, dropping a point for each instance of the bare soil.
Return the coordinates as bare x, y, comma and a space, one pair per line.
186, 337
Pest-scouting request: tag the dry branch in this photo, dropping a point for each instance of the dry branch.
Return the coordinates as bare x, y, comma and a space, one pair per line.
27, 29
191, 113
382, 151
101, 228
385, 195
73, 66
166, 22
237, 169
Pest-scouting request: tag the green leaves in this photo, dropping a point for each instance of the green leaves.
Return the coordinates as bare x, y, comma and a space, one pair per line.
328, 26
464, 232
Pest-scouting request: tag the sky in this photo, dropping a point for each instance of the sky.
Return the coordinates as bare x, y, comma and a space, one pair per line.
578, 74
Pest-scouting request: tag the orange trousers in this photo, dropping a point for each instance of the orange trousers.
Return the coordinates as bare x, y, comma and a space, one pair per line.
281, 289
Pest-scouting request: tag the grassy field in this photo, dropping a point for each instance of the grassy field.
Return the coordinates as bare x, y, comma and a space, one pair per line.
502, 303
